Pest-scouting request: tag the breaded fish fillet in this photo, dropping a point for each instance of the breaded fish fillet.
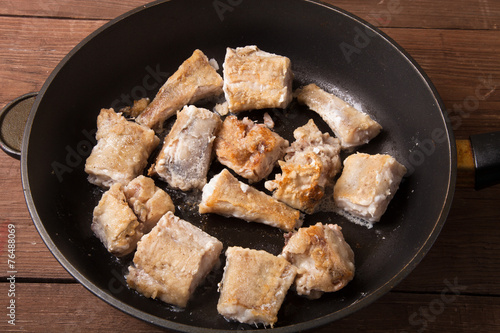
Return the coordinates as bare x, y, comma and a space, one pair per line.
249, 149
324, 261
115, 224
367, 185
195, 79
350, 125
225, 195
148, 201
172, 260
186, 154
122, 150
254, 286
311, 163
254, 79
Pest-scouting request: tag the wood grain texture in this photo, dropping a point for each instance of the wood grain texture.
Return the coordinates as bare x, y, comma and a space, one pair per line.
463, 14
468, 247
425, 14
394, 312
456, 43
30, 48
73, 9
456, 61
33, 260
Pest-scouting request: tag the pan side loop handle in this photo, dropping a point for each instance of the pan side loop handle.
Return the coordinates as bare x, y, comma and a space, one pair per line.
486, 150
13, 118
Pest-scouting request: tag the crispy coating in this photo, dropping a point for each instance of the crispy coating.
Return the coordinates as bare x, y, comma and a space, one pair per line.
367, 185
324, 260
254, 79
148, 201
350, 125
122, 150
194, 80
311, 163
172, 260
115, 224
254, 286
249, 149
227, 196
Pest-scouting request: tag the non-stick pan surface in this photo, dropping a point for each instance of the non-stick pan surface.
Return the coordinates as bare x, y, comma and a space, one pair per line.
133, 55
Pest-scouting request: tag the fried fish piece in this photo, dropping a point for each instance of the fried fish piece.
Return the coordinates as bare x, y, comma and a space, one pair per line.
148, 201
311, 163
324, 260
253, 286
122, 150
254, 79
195, 79
172, 260
249, 149
137, 108
298, 184
225, 195
186, 154
350, 125
115, 224
367, 185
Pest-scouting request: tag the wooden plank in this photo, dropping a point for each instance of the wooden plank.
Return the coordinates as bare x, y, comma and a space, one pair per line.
71, 308
464, 14
442, 312
32, 256
467, 249
91, 9
485, 118
54, 303
457, 62
31, 48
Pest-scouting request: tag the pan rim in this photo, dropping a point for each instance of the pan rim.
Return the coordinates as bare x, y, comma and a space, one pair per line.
373, 296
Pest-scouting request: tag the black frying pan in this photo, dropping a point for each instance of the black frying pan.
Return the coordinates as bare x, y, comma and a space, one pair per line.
134, 54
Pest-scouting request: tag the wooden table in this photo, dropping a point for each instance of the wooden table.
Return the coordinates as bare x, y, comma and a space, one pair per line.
457, 42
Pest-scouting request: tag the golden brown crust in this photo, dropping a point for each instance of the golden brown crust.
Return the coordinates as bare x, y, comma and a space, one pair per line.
311, 162
367, 184
324, 260
115, 224
148, 201
350, 125
298, 185
254, 79
122, 150
254, 285
225, 195
137, 108
194, 80
250, 149
172, 260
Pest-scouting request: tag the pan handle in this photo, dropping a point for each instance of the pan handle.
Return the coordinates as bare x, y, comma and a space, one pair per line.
13, 118
479, 160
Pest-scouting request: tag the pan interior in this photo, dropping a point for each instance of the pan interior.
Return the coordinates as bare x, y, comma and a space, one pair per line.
132, 56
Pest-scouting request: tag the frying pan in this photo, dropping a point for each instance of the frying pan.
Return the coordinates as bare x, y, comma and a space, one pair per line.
132, 56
